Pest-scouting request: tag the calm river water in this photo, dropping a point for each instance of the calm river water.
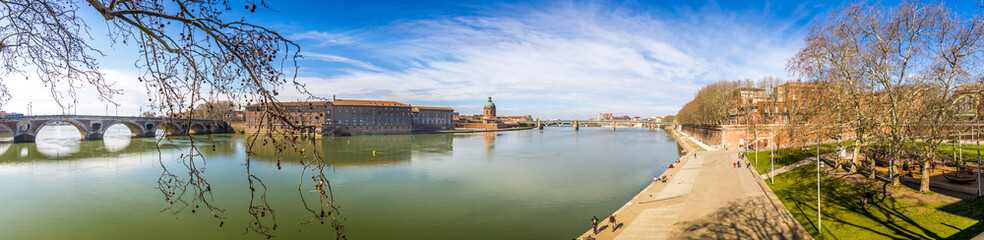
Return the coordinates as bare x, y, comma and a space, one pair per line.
509, 185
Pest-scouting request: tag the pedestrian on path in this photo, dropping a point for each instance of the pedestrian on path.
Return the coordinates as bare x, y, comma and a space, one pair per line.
611, 221
734, 164
594, 224
739, 164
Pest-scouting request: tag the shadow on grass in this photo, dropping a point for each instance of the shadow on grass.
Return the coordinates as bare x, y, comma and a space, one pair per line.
970, 208
785, 156
887, 216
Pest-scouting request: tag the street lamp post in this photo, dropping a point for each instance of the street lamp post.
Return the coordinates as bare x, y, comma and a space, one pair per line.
819, 222
772, 162
978, 161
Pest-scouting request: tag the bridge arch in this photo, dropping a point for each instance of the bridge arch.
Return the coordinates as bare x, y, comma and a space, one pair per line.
33, 133
135, 129
170, 128
197, 128
5, 130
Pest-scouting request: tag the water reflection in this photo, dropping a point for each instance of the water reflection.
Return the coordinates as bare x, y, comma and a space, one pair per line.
360, 151
4, 147
58, 140
488, 139
432, 145
116, 138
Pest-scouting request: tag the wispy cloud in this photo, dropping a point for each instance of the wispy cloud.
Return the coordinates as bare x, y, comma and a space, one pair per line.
571, 60
325, 38
340, 59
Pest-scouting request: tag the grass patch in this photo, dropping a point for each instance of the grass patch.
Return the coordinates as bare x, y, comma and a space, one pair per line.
786, 156
969, 152
886, 217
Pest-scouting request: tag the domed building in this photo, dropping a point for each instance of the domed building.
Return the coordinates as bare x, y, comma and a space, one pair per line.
488, 119
489, 111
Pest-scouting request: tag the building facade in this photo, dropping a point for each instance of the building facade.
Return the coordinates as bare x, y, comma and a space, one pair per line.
369, 117
429, 119
488, 119
347, 117
309, 115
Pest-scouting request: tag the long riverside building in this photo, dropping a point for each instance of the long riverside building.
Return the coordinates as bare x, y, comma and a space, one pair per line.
347, 117
370, 117
428, 119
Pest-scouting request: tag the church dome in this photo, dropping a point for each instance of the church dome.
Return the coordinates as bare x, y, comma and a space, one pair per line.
489, 104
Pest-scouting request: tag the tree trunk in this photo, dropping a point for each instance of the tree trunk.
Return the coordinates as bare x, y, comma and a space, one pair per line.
894, 171
924, 181
871, 168
854, 158
838, 164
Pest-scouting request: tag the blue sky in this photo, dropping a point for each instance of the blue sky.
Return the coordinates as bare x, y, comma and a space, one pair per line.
549, 59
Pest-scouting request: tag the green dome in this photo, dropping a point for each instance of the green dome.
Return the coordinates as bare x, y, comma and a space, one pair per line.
489, 104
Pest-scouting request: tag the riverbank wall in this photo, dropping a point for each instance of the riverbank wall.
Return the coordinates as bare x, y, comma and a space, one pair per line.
626, 213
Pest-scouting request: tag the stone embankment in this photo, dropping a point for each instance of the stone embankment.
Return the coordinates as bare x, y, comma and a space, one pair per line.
704, 197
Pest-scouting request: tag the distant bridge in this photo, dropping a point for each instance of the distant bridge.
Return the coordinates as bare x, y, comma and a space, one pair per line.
93, 127
589, 123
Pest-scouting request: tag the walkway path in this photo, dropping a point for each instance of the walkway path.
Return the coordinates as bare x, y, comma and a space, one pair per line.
705, 198
783, 169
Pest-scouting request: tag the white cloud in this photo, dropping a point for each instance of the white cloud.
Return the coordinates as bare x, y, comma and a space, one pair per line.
571, 60
560, 61
32, 91
325, 38
340, 59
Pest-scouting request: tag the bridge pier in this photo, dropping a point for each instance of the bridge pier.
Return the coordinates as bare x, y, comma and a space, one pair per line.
613, 125
93, 136
575, 125
24, 138
539, 125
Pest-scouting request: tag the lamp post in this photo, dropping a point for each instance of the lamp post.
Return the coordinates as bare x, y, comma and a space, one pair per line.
819, 222
772, 163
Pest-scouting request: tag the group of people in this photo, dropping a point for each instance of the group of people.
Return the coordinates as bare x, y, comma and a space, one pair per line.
659, 179
611, 223
737, 164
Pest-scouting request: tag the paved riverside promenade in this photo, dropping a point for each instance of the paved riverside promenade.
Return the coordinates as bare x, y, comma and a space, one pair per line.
704, 198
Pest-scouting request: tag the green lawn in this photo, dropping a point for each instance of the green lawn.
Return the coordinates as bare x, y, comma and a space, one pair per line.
969, 152
787, 156
886, 218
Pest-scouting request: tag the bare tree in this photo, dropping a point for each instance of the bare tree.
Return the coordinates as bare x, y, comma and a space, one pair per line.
189, 54
953, 46
889, 40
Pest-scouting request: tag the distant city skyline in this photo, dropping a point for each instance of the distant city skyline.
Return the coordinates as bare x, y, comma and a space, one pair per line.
548, 59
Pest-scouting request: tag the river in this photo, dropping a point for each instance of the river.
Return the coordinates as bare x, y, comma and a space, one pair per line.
507, 185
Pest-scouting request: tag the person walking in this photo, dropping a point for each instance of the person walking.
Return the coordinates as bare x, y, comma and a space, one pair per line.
739, 164
594, 224
734, 164
611, 221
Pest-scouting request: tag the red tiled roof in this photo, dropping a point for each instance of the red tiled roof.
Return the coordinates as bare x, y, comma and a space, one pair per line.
295, 103
340, 102
435, 108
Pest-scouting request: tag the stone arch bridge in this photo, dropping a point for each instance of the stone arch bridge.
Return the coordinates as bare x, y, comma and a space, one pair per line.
93, 127
596, 123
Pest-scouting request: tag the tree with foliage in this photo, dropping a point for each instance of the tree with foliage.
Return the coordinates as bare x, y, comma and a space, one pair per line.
710, 106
